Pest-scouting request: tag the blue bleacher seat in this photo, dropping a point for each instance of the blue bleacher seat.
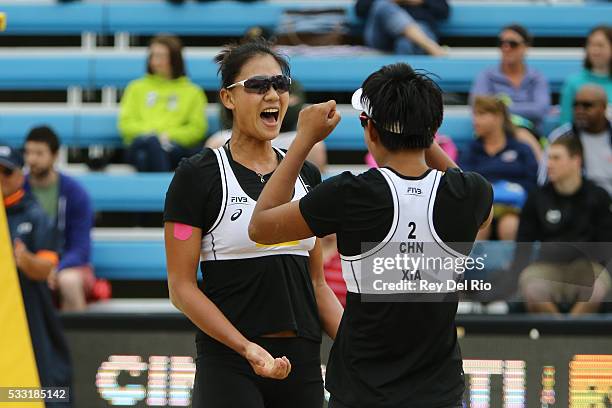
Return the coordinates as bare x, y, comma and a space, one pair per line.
100, 128
49, 71
52, 18
14, 125
231, 18
97, 70
453, 74
126, 192
129, 260
228, 18
552, 20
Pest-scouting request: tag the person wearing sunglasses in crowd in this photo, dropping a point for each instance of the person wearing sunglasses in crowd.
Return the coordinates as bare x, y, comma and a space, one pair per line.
597, 70
593, 129
524, 89
261, 308
400, 352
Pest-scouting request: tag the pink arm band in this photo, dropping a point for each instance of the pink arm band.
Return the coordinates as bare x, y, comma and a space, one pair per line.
182, 232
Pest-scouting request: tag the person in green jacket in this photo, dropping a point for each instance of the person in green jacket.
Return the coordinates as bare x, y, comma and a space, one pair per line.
597, 70
162, 117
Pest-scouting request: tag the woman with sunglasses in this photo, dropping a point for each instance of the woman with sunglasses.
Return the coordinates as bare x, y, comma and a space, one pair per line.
261, 308
524, 89
597, 70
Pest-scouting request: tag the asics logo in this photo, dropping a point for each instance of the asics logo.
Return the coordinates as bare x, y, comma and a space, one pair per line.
236, 214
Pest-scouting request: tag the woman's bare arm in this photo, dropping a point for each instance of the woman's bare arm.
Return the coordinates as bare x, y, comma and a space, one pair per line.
182, 258
330, 309
275, 219
437, 159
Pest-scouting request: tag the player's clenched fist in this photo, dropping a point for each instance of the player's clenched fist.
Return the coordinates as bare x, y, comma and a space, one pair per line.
265, 365
317, 121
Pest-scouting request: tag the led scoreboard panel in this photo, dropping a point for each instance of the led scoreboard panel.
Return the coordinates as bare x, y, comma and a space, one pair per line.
147, 360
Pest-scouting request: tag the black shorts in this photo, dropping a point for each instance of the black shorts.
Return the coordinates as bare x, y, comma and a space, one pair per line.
224, 379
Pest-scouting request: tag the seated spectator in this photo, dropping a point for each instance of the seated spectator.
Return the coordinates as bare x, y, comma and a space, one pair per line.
524, 89
297, 98
68, 205
162, 117
403, 26
503, 160
597, 70
569, 209
33, 239
594, 131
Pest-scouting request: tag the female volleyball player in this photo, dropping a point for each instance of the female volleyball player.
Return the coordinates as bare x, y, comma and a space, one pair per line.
261, 307
386, 354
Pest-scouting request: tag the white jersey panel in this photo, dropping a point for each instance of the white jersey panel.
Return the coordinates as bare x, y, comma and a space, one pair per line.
412, 231
228, 238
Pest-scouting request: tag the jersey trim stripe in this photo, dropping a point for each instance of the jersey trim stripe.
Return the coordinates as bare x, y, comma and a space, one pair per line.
282, 154
392, 230
212, 237
430, 208
219, 155
355, 277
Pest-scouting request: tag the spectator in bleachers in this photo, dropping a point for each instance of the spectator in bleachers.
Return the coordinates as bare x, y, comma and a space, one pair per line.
403, 26
524, 89
68, 205
162, 117
503, 160
288, 131
594, 131
35, 254
568, 210
597, 70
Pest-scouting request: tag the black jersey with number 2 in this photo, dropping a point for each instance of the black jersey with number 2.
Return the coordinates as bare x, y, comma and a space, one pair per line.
396, 354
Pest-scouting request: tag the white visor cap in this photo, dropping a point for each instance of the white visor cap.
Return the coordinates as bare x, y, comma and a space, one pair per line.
356, 101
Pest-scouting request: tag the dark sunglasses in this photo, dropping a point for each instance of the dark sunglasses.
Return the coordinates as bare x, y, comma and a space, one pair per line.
584, 104
6, 171
262, 84
510, 43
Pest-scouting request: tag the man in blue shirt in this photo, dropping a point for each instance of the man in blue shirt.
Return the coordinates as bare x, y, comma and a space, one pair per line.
68, 205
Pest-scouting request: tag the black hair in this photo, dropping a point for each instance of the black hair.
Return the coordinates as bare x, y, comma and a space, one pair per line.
520, 30
175, 53
406, 106
44, 134
233, 57
607, 31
